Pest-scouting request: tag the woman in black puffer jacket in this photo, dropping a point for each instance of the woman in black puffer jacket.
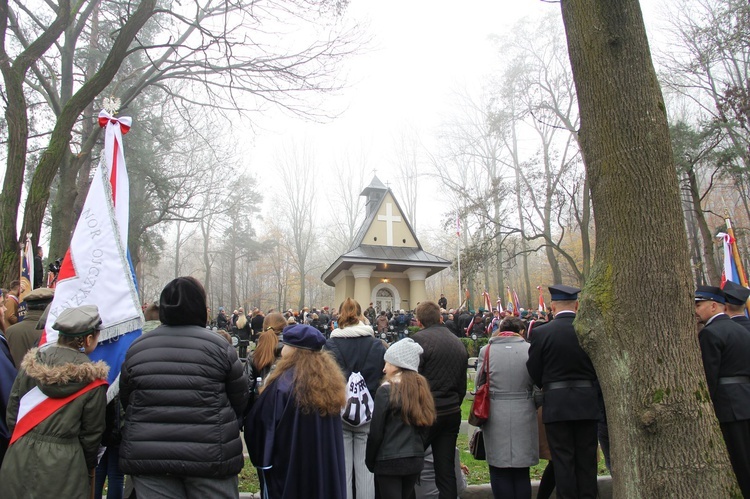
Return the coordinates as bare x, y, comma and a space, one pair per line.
183, 390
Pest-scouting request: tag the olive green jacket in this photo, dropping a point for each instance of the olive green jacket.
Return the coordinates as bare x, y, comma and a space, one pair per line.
53, 459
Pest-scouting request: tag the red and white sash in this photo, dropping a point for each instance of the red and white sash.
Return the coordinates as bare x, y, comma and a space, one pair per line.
35, 407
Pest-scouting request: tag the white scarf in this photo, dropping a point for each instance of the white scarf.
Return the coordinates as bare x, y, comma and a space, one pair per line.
355, 331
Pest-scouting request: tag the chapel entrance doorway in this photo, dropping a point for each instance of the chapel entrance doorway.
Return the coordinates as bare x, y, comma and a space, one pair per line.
384, 300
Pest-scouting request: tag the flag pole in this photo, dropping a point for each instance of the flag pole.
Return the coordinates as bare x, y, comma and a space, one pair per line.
458, 254
735, 251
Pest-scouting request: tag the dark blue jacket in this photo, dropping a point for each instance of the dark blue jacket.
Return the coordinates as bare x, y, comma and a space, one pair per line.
296, 454
725, 348
554, 356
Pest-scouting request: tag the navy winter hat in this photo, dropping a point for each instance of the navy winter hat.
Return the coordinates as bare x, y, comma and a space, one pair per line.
303, 336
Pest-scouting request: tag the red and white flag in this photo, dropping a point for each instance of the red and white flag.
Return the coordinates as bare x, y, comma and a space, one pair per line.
96, 268
542, 306
487, 302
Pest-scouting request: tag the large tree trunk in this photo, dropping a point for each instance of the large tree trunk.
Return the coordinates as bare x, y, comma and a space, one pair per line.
59, 143
71, 193
13, 72
648, 362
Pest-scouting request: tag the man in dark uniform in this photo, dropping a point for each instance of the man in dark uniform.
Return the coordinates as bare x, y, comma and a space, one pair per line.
443, 301
725, 348
558, 364
736, 302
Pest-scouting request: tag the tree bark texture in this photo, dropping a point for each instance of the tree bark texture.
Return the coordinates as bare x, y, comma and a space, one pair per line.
636, 319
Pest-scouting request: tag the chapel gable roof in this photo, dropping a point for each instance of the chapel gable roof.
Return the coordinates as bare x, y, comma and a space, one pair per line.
377, 193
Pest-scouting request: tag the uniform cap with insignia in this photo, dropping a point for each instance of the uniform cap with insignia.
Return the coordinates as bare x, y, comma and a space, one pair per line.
561, 292
40, 294
713, 293
735, 294
78, 321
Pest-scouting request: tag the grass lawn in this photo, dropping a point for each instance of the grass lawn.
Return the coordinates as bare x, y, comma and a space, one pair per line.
249, 478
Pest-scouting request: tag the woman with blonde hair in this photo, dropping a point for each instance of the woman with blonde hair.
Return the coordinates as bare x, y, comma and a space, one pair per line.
293, 433
360, 356
243, 331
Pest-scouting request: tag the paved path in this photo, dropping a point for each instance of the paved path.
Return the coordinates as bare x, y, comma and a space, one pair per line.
485, 492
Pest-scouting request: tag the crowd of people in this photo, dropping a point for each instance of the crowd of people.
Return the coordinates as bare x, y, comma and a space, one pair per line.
331, 413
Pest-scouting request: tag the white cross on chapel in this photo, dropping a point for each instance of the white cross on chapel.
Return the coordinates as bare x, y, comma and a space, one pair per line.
389, 218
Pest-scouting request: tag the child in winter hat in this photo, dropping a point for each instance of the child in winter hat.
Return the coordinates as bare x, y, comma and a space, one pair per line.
404, 354
404, 409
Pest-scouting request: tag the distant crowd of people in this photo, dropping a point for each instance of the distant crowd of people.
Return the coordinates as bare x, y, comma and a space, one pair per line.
337, 415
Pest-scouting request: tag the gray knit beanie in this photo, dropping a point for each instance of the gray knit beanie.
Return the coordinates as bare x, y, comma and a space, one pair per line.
404, 354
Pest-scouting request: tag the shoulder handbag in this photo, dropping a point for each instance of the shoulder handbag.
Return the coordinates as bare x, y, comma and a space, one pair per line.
476, 445
480, 406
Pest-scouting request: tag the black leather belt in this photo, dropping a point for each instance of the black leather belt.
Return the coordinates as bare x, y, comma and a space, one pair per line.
734, 380
578, 383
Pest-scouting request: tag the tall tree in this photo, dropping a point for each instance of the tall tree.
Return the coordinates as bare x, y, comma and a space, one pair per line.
218, 51
345, 201
297, 167
548, 93
14, 71
653, 383
710, 68
407, 148
53, 156
693, 155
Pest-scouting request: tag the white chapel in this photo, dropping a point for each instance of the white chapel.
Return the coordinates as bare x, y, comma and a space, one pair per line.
385, 265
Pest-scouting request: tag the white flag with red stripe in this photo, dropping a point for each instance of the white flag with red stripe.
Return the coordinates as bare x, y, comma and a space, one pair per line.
96, 268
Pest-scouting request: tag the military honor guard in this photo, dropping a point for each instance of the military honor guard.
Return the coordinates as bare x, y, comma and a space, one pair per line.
725, 348
558, 364
737, 303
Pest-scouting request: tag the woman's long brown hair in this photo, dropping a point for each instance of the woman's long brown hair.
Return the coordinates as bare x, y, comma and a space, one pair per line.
265, 352
319, 384
413, 395
349, 313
